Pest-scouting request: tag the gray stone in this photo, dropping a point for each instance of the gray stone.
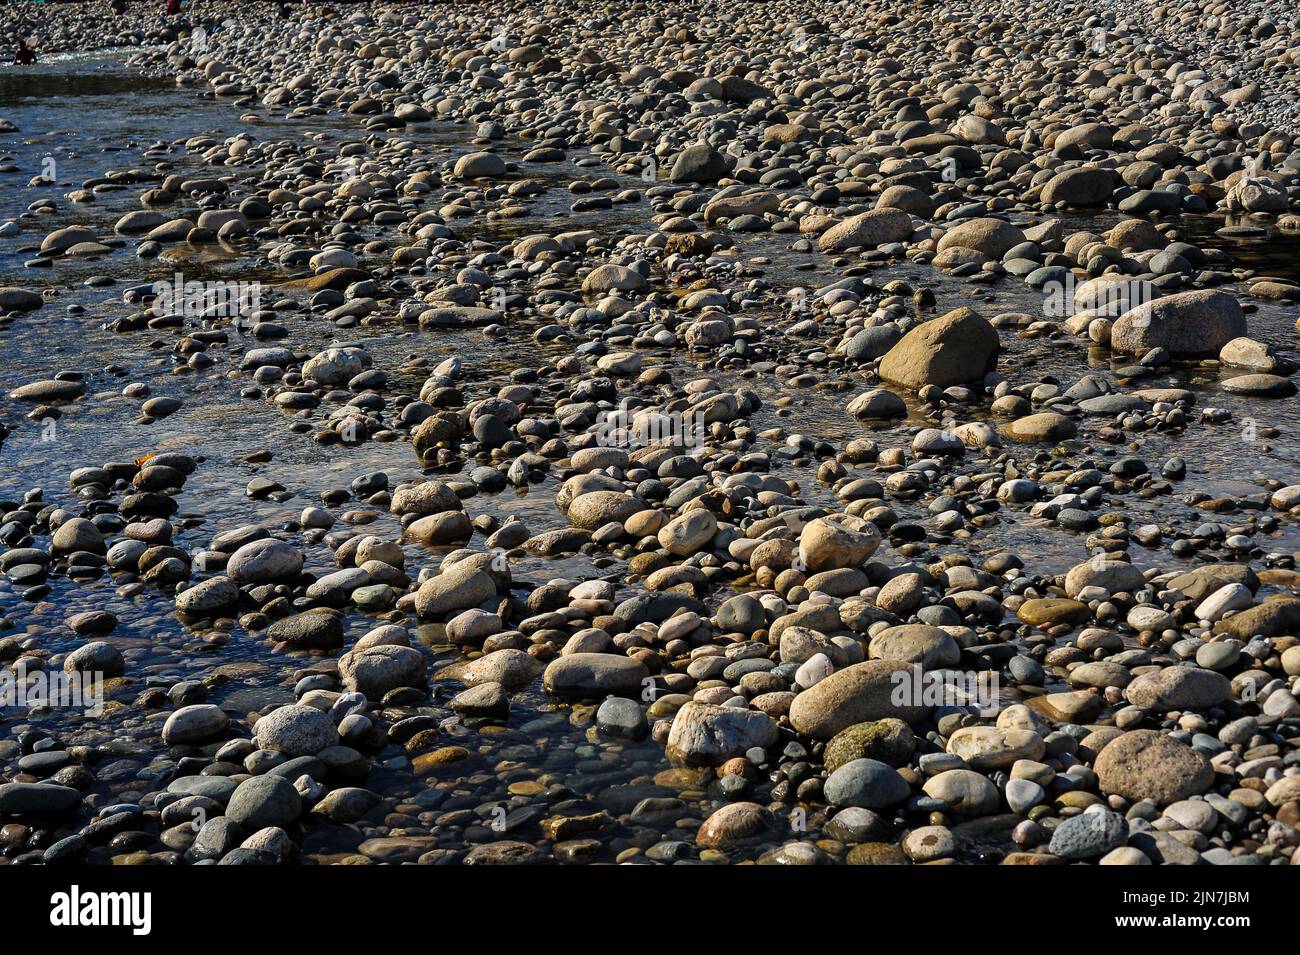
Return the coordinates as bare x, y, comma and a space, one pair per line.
856, 694
208, 596
866, 783
965, 791
195, 724
1188, 324
1089, 835
622, 719
37, 797
706, 735
1023, 794
376, 670
483, 700
264, 801
315, 629
264, 561
594, 675
296, 730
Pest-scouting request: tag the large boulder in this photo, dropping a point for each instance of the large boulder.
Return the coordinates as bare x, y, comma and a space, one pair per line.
594, 675
65, 238
208, 596
1179, 688
699, 162
336, 366
613, 278
1114, 576
1145, 764
295, 730
916, 643
734, 824
992, 747
889, 741
910, 199
14, 299
993, 237
374, 671
461, 586
1084, 186
966, 792
198, 723
1089, 835
953, 349
263, 801
690, 533
37, 797
1043, 426
595, 509
427, 497
265, 561
876, 405
872, 690
867, 784
1199, 583
1188, 324
480, 165
707, 735
867, 230
1085, 136
48, 390
979, 131
458, 316
842, 541
747, 204
317, 629
440, 530
77, 534
508, 668
1278, 616
738, 89
1256, 195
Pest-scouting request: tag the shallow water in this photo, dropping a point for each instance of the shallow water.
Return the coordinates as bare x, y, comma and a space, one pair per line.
89, 114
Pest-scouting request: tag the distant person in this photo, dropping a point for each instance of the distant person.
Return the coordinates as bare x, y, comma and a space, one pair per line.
173, 7
118, 7
24, 55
